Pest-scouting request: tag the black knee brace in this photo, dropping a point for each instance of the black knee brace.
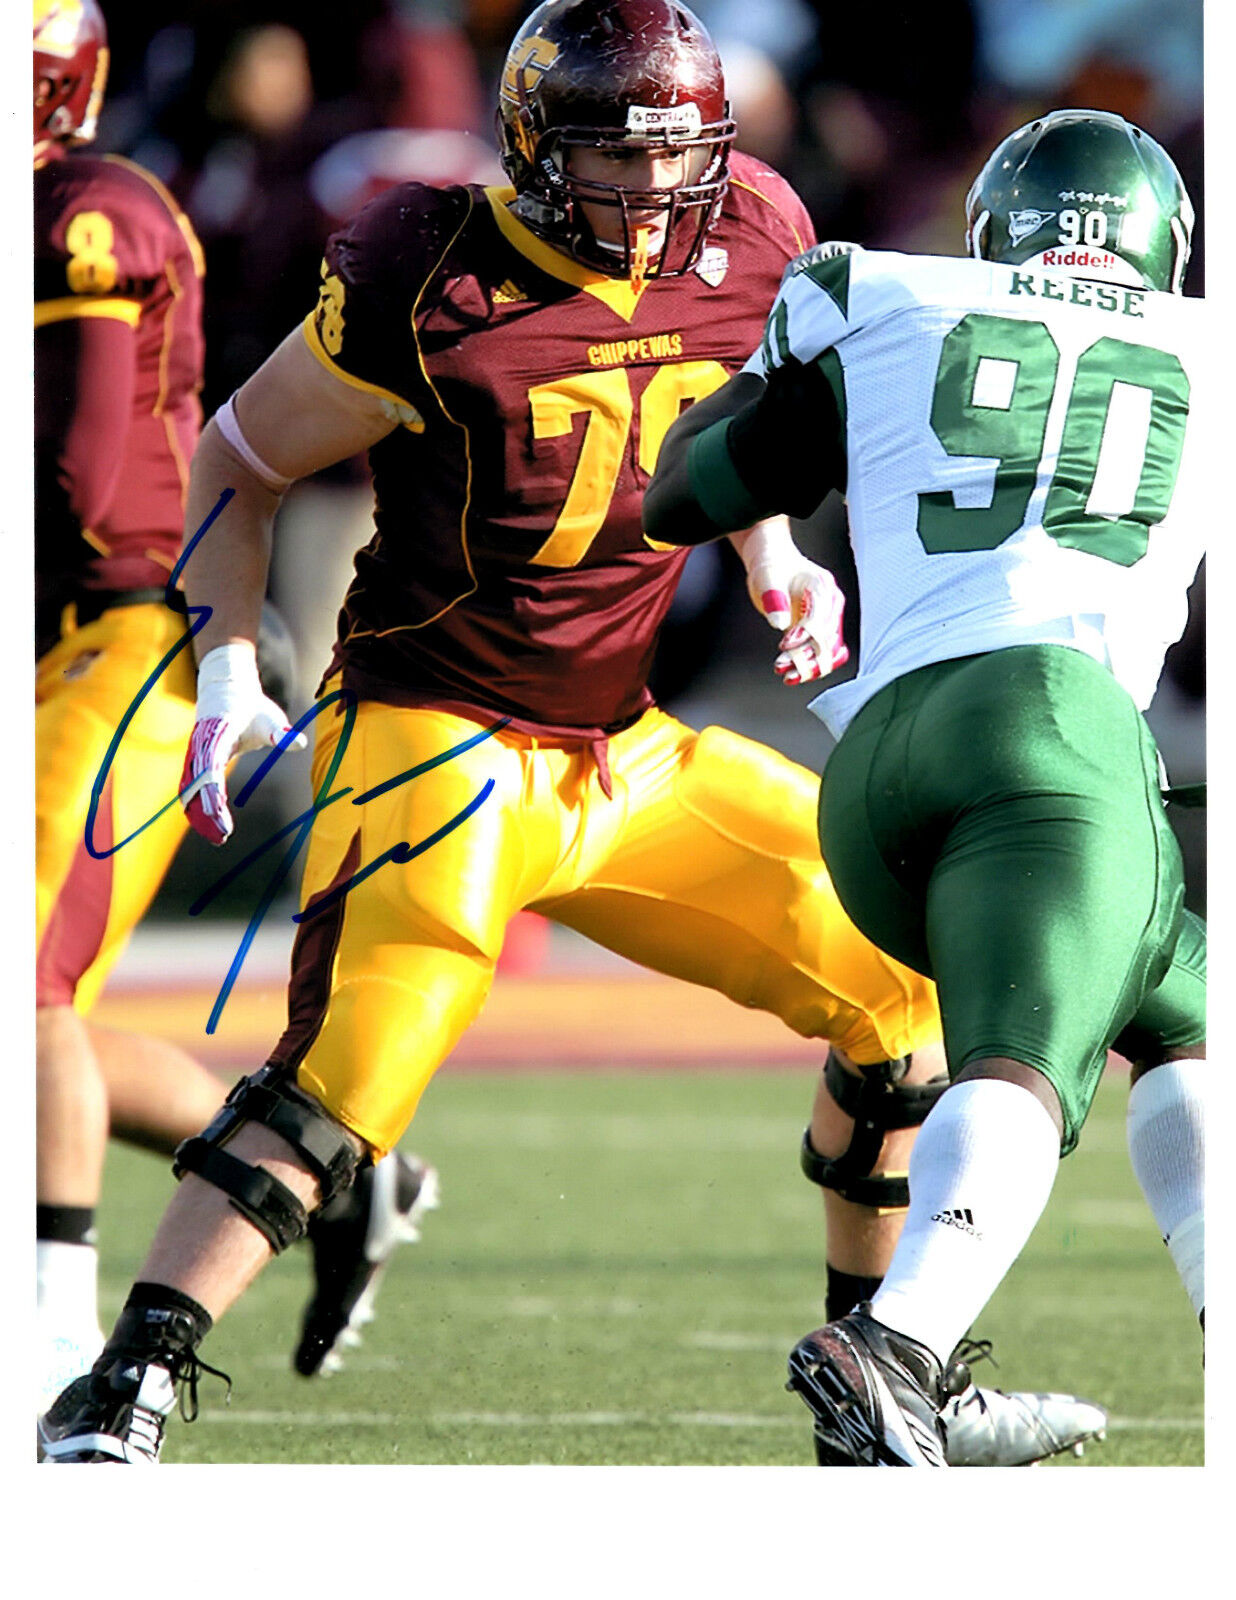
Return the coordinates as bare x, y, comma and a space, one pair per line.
879, 1102
258, 1195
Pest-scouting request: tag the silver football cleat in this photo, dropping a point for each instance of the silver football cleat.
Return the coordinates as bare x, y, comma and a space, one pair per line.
989, 1428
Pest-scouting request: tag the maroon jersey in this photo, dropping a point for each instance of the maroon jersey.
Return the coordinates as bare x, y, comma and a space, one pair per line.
118, 364
508, 572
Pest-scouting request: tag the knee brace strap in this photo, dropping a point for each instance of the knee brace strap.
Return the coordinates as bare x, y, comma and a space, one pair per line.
260, 1197
879, 1102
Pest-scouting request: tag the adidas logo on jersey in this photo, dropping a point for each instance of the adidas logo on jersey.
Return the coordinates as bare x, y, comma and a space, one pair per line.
958, 1217
506, 292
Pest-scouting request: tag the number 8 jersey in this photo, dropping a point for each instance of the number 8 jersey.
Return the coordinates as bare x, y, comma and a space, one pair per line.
1022, 457
509, 573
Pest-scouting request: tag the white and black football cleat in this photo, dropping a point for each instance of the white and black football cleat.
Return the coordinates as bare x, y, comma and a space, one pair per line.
352, 1239
874, 1393
117, 1412
112, 1417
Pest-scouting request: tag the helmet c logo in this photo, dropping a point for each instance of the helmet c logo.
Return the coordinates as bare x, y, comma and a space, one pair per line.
525, 64
56, 24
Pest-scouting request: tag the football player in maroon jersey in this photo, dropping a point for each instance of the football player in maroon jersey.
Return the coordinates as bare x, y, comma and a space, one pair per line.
512, 358
118, 363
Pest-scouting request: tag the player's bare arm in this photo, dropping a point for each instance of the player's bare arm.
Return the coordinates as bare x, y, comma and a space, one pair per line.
290, 419
294, 418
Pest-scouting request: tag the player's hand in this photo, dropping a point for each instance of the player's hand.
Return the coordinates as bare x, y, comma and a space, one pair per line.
812, 646
796, 596
233, 715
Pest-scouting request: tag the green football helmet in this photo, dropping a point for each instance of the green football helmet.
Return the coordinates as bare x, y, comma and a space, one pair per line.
1085, 192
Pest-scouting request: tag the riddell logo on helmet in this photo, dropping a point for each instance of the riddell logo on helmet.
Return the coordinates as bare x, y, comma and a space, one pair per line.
1079, 256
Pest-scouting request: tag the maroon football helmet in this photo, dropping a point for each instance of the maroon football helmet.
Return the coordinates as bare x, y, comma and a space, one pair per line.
614, 75
70, 70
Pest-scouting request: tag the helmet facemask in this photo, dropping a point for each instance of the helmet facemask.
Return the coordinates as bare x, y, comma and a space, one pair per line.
618, 76
659, 232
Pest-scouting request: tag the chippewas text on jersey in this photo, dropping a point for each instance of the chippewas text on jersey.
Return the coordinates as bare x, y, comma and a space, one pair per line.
508, 571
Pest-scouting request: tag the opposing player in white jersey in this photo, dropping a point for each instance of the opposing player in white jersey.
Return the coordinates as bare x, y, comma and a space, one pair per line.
1017, 437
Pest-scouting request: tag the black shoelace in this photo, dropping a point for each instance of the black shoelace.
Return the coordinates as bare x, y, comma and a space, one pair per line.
186, 1374
969, 1351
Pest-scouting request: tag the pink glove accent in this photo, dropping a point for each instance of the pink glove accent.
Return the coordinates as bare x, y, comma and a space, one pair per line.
814, 646
203, 792
233, 715
776, 606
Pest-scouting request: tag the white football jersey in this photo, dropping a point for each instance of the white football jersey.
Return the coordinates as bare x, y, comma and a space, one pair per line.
1024, 460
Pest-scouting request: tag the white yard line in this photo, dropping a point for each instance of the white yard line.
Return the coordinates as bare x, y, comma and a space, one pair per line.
584, 1419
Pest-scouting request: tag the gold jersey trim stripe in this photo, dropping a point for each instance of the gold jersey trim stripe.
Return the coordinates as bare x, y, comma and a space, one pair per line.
621, 295
46, 311
192, 242
759, 194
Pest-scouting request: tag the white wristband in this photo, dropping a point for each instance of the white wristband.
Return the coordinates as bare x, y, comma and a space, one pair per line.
227, 681
767, 542
229, 427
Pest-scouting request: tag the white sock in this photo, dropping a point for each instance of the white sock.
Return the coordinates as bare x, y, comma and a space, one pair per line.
68, 1276
1168, 1150
980, 1174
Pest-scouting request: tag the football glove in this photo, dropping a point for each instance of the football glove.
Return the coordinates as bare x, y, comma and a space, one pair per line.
796, 596
233, 715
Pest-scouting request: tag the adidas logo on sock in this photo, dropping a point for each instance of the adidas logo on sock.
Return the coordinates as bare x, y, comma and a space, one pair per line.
958, 1217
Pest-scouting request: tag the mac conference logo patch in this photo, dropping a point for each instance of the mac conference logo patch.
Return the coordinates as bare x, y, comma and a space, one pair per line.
713, 265
1023, 223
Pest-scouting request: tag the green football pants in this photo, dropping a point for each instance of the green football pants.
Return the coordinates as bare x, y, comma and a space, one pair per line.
995, 823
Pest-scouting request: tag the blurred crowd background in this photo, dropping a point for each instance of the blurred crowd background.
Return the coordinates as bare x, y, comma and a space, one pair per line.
272, 123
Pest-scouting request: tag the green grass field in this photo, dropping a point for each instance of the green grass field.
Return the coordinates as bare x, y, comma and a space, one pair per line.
618, 1269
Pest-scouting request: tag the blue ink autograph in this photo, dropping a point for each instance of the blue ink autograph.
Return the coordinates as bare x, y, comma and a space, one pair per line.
299, 827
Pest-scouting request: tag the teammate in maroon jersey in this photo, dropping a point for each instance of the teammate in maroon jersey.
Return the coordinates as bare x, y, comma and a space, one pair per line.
118, 353
118, 360
485, 740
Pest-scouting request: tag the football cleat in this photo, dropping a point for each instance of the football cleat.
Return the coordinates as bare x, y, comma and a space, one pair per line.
114, 1417
989, 1428
874, 1393
352, 1239
116, 1413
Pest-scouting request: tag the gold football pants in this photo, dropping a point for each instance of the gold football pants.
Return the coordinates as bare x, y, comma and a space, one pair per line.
87, 907
704, 865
